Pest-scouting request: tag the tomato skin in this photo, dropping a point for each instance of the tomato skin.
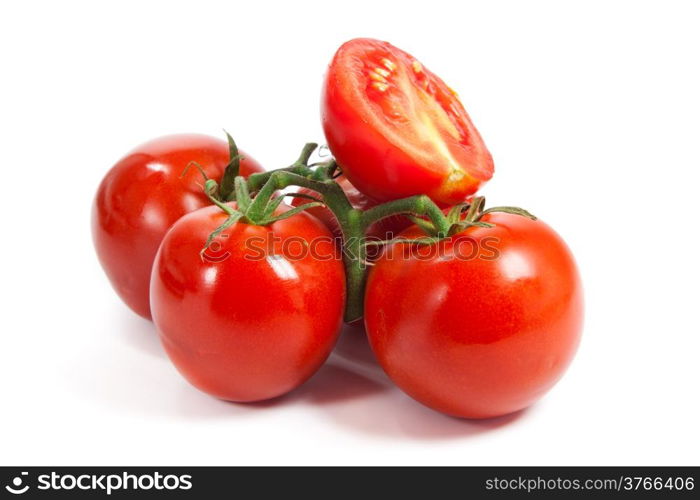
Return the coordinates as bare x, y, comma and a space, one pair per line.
245, 329
385, 158
142, 196
381, 230
477, 338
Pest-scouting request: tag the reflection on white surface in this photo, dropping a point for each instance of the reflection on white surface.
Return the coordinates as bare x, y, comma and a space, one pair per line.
515, 266
283, 269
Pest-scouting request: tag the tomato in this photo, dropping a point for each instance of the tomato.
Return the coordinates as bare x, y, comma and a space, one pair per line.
243, 324
396, 129
481, 324
142, 196
381, 230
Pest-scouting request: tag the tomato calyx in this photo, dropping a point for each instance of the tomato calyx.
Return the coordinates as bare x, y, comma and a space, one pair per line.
258, 211
474, 212
225, 190
231, 171
458, 218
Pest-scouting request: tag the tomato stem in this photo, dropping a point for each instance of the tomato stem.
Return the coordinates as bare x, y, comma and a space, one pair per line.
300, 166
415, 205
306, 153
353, 222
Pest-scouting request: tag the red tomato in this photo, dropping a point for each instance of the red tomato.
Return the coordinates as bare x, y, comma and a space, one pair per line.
476, 337
142, 196
241, 324
396, 129
382, 230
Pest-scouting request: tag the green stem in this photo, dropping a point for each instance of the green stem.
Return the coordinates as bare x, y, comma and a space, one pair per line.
306, 153
324, 171
475, 208
257, 207
352, 222
210, 189
415, 205
299, 167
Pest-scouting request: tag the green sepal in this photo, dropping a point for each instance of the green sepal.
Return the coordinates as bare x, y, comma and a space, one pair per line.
232, 169
231, 220
455, 213
242, 195
211, 190
198, 166
508, 210
461, 226
289, 213
272, 206
475, 208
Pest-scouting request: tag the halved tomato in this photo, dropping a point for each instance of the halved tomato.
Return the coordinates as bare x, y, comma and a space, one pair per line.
396, 129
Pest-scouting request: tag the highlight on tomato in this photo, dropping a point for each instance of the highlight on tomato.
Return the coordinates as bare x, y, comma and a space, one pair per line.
480, 324
397, 129
143, 195
254, 313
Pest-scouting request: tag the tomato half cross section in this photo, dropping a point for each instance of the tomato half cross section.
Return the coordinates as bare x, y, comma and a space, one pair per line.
397, 129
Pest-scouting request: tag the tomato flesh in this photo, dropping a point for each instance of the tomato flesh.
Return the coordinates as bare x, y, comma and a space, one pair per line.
396, 129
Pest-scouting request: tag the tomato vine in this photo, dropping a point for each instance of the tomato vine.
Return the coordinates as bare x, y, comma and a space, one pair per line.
353, 222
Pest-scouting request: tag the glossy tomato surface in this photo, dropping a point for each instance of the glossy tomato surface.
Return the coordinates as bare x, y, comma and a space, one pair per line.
396, 129
480, 325
142, 196
381, 230
257, 313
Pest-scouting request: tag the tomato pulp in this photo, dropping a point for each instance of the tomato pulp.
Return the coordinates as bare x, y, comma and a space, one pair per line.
396, 129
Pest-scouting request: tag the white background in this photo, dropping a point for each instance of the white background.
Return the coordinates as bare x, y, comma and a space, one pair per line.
592, 113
